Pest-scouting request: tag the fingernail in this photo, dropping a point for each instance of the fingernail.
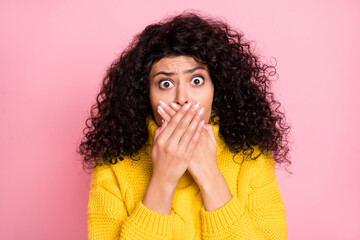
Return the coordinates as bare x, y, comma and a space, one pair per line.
162, 121
187, 106
160, 109
196, 106
163, 104
174, 105
201, 111
202, 123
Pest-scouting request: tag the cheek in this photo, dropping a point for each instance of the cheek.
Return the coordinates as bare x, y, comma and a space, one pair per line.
207, 103
154, 104
154, 100
207, 114
157, 116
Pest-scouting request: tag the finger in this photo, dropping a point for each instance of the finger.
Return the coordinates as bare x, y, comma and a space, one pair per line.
168, 110
195, 138
159, 130
163, 114
188, 134
210, 130
175, 106
173, 123
183, 125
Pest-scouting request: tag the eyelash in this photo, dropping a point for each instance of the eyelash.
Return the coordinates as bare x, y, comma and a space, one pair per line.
168, 80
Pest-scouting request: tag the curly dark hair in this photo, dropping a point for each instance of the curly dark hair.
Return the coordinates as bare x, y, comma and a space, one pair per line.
248, 114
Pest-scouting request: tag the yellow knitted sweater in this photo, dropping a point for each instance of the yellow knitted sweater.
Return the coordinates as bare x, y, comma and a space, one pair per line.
256, 211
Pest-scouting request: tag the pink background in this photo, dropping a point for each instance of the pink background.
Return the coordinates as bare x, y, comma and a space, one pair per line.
53, 55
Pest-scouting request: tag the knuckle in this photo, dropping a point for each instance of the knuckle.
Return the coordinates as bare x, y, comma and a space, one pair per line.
172, 113
182, 126
189, 132
174, 121
169, 149
179, 114
159, 143
186, 120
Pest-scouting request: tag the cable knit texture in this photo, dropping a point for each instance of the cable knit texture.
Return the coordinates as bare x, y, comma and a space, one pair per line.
256, 211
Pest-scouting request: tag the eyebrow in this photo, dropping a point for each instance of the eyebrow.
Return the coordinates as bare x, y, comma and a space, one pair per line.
186, 71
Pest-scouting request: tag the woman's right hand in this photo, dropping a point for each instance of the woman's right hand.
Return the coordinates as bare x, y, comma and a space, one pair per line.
175, 142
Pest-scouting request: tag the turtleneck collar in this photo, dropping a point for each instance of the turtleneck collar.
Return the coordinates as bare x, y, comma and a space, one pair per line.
152, 126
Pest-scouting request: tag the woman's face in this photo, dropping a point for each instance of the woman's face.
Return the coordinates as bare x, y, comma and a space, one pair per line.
180, 79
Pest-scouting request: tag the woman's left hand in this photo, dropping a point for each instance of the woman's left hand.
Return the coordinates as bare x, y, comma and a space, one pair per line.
203, 164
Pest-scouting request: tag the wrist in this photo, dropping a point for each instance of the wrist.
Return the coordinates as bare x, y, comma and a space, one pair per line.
207, 181
207, 184
159, 196
215, 193
164, 184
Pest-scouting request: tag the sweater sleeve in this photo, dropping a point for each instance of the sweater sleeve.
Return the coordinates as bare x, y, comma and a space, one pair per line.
259, 215
108, 217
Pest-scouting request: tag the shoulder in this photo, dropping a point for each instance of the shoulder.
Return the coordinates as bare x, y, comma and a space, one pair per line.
104, 174
260, 168
130, 171
263, 171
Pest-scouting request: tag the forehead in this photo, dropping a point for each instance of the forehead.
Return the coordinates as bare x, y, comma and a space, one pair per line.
175, 64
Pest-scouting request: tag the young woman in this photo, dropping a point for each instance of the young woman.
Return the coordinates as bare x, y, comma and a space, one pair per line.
184, 138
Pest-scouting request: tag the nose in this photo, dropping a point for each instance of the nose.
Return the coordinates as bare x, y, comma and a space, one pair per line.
181, 104
181, 96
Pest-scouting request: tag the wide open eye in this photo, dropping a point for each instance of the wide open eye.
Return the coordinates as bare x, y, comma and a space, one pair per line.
165, 84
198, 80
